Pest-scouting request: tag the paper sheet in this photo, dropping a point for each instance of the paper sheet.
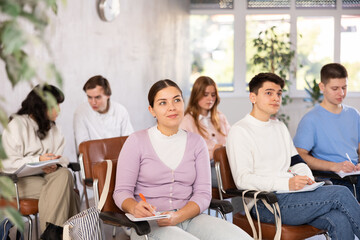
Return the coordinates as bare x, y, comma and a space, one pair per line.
307, 188
34, 168
156, 217
344, 174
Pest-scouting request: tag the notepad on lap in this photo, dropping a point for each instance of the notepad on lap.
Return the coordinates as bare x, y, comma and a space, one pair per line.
30, 169
344, 174
307, 188
156, 217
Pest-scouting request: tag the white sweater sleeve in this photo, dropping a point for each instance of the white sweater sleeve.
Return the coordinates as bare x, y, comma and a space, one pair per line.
241, 153
14, 142
81, 131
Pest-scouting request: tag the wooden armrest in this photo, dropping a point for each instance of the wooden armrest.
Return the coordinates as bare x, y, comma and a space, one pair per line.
224, 206
141, 227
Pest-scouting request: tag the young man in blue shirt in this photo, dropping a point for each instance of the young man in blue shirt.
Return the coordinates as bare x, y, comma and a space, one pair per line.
330, 132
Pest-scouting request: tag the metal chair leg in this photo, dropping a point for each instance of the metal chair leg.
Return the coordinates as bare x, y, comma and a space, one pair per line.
85, 194
223, 216
36, 227
355, 194
114, 232
30, 228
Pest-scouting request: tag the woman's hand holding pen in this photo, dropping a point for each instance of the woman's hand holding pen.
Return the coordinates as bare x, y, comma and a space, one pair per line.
298, 182
143, 208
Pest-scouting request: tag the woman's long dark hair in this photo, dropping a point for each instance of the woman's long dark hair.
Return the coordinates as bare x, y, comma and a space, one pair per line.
35, 105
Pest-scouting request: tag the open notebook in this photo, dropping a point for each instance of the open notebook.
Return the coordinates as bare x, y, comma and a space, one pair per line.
344, 174
30, 169
156, 217
307, 188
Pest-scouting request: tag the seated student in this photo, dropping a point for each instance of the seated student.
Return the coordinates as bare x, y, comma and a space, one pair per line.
202, 117
331, 130
262, 157
100, 117
32, 136
170, 167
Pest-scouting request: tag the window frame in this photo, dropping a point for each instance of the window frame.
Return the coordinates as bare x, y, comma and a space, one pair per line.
240, 12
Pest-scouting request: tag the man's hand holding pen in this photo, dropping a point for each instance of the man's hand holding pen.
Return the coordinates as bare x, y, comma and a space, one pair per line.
298, 182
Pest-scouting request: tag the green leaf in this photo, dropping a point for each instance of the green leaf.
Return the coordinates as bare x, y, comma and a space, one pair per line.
3, 117
18, 67
7, 189
54, 73
11, 36
15, 217
11, 8
2, 151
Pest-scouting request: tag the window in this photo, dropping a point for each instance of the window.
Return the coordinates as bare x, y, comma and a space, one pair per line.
212, 44
315, 47
320, 31
350, 50
260, 23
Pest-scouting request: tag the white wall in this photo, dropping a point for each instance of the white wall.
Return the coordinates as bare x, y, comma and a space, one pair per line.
146, 43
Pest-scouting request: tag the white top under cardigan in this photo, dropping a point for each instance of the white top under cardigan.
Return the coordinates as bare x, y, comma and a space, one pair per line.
91, 125
170, 149
260, 155
22, 145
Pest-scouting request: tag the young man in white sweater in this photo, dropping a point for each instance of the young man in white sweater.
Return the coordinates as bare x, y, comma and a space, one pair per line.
262, 156
100, 117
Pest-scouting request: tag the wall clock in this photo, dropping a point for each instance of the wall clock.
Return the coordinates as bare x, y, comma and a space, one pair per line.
109, 9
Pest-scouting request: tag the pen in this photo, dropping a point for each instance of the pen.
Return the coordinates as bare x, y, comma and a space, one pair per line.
294, 174
347, 155
144, 199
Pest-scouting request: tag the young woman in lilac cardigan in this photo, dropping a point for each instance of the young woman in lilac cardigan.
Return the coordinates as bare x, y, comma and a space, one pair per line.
170, 167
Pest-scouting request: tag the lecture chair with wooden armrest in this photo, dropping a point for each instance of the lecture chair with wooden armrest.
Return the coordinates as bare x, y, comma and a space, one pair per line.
29, 206
94, 151
112, 215
227, 186
324, 175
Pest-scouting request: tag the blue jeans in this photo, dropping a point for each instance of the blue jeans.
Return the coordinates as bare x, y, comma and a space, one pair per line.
200, 227
348, 185
332, 208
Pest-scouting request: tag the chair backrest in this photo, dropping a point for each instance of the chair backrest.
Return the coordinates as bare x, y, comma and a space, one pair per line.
95, 151
220, 157
99, 173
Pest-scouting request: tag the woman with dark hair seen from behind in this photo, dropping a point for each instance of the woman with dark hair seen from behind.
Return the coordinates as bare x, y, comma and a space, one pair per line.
32, 136
202, 117
170, 167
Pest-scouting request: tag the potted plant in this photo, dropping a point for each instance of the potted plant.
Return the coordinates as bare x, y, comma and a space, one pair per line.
313, 91
274, 54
